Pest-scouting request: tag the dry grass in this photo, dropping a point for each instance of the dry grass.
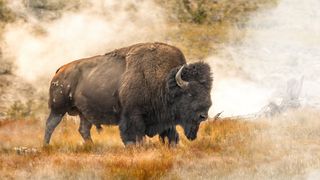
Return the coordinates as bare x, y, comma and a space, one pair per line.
224, 23
282, 148
198, 41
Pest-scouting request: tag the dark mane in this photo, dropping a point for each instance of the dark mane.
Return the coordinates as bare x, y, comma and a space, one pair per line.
164, 107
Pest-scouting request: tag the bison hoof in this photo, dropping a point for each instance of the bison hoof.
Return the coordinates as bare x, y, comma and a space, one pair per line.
99, 130
88, 142
46, 145
129, 143
173, 145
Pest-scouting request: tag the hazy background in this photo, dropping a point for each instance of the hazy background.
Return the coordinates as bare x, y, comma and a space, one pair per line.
38, 36
254, 47
39, 45
281, 44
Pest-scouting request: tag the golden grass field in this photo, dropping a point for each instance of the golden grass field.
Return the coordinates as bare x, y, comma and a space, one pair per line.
284, 147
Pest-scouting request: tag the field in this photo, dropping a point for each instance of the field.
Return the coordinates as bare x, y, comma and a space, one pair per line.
284, 147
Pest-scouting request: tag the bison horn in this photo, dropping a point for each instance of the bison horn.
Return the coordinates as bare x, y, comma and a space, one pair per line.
179, 80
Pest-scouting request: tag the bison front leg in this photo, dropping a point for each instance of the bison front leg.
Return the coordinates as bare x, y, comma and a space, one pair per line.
132, 127
84, 129
171, 134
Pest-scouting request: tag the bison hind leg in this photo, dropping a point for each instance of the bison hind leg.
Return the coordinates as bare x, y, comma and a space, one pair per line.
84, 129
52, 122
171, 134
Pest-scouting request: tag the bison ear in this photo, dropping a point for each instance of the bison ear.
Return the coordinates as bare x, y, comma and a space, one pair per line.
180, 82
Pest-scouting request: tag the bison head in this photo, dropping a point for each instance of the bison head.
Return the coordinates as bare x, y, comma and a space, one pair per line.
189, 87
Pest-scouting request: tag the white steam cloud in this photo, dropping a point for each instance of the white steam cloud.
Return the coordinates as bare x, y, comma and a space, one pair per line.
39, 47
281, 44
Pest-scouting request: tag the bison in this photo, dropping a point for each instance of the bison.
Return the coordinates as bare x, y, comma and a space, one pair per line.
146, 89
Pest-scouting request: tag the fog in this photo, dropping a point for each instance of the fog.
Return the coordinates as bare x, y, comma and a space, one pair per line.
280, 45
41, 45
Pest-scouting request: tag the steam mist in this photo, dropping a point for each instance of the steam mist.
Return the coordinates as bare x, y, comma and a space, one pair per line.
39, 45
281, 44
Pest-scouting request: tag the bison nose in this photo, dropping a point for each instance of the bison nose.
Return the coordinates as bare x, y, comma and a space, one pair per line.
203, 116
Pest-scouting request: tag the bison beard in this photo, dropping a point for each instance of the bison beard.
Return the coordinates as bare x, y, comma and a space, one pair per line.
146, 89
